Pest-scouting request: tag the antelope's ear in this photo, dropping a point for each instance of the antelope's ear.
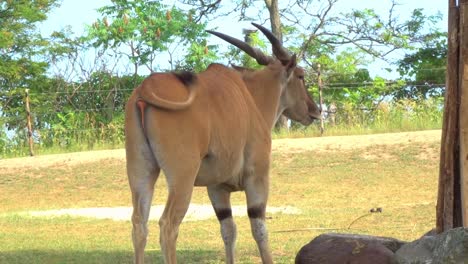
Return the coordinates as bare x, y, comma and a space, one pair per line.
291, 64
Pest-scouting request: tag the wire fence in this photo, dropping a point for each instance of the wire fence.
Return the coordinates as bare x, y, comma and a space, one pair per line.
66, 117
326, 87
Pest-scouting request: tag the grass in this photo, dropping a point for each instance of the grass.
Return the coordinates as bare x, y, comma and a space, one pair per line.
345, 130
332, 188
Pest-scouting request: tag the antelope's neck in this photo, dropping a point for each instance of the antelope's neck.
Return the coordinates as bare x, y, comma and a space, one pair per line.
267, 99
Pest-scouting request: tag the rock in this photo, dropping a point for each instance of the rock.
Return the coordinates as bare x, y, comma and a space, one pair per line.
431, 232
449, 247
418, 251
348, 248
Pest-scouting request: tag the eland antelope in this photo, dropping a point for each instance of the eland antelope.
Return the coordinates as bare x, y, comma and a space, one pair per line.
210, 129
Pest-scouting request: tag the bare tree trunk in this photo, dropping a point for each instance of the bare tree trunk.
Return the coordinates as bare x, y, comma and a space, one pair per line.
448, 209
275, 22
461, 183
273, 9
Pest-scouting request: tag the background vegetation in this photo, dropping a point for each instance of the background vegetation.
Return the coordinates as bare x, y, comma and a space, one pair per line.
79, 84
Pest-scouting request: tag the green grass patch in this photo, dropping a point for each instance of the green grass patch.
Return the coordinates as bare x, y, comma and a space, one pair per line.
332, 188
397, 116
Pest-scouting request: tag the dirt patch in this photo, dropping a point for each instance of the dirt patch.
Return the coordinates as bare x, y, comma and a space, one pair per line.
280, 145
66, 159
373, 156
354, 142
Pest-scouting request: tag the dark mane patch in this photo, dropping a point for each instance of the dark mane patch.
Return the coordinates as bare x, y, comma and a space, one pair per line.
241, 69
186, 77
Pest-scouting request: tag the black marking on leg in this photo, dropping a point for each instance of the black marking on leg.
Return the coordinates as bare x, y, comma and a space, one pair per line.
256, 212
222, 214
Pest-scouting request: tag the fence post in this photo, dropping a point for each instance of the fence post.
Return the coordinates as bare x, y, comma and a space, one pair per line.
29, 125
320, 86
332, 114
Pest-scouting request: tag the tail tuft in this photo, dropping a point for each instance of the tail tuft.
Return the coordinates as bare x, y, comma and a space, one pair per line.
186, 77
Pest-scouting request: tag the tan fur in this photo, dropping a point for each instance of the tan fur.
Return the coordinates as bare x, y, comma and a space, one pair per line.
221, 140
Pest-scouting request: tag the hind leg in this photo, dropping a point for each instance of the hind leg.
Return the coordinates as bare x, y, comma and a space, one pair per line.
142, 183
180, 180
142, 172
220, 199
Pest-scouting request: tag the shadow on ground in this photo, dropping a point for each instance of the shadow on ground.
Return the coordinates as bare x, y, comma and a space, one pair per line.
102, 257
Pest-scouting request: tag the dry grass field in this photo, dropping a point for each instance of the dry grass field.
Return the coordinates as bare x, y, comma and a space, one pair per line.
333, 181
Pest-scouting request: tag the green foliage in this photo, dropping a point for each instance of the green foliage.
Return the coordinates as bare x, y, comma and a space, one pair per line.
89, 116
22, 49
401, 115
240, 58
346, 81
84, 110
426, 68
62, 45
393, 116
198, 58
255, 41
143, 29
20, 42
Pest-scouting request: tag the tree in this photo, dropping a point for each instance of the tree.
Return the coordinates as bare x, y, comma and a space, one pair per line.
141, 30
22, 51
425, 69
311, 34
303, 28
346, 80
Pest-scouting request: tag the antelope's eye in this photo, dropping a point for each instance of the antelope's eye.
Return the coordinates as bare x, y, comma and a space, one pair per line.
301, 77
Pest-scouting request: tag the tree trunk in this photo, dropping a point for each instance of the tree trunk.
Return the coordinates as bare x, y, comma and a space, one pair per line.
275, 22
450, 198
273, 9
461, 183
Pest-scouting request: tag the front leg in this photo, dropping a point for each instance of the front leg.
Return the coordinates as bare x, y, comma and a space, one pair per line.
256, 191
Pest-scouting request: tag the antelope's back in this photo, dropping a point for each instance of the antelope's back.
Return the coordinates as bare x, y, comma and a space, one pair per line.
219, 120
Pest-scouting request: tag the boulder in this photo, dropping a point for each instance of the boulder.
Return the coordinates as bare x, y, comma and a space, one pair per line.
448, 247
349, 248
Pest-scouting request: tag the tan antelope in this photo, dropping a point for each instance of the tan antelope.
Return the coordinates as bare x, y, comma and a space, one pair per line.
210, 129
